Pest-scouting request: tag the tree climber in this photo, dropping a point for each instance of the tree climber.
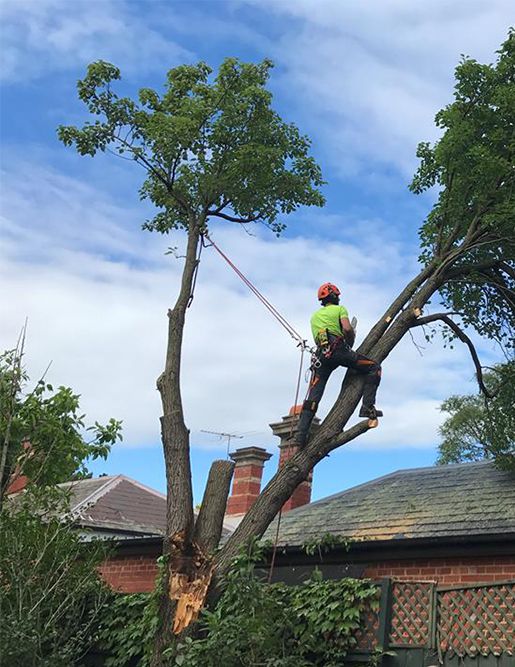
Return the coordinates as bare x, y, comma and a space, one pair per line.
334, 337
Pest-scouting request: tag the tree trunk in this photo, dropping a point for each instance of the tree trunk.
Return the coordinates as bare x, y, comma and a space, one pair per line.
381, 340
176, 449
187, 547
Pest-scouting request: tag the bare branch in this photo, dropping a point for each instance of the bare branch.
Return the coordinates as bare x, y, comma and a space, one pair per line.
418, 347
346, 436
444, 317
218, 214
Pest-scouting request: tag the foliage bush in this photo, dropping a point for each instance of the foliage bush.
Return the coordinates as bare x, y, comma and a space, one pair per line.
126, 630
253, 624
51, 595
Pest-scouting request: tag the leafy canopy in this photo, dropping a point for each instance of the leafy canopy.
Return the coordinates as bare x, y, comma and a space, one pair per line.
210, 147
51, 421
473, 165
480, 428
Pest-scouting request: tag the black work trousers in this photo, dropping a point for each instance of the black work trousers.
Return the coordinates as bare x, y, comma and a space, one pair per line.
342, 355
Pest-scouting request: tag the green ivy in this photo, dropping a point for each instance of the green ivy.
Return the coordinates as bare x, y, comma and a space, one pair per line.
253, 624
126, 631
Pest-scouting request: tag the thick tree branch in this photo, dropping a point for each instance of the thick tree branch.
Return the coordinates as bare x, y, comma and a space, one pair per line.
444, 317
208, 527
398, 304
279, 489
218, 214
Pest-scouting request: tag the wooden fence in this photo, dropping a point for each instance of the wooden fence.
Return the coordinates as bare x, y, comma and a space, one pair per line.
420, 623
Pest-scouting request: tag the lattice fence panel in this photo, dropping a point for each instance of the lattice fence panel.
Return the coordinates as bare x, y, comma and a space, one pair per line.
367, 635
412, 603
477, 621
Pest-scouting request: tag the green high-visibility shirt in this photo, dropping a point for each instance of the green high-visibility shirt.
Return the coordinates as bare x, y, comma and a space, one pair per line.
328, 318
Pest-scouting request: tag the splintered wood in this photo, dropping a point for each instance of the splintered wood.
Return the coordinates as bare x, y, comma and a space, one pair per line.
190, 596
189, 581
373, 423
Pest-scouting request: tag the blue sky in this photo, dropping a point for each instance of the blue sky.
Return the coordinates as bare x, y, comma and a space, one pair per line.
364, 80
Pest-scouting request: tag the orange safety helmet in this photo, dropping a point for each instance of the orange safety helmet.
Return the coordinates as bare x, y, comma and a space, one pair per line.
326, 289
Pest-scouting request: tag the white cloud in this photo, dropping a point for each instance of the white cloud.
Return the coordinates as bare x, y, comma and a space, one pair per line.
44, 36
96, 289
368, 77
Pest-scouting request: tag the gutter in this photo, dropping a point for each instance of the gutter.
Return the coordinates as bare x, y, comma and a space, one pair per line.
380, 550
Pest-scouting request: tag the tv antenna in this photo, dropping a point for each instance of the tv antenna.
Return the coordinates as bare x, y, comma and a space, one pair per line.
222, 435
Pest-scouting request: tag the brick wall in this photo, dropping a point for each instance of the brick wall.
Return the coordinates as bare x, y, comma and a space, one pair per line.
446, 571
136, 574
130, 574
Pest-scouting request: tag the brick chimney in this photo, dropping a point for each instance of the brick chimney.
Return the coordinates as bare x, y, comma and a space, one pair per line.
246, 484
284, 430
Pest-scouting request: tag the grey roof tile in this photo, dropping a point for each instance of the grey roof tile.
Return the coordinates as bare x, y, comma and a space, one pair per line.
439, 501
117, 501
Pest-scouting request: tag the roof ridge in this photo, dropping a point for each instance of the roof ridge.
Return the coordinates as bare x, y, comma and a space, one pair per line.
86, 480
144, 487
96, 495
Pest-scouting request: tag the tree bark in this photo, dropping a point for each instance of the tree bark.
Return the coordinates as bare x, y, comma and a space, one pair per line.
209, 523
176, 449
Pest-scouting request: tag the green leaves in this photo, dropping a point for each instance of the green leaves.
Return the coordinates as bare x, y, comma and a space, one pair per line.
253, 623
51, 421
211, 147
278, 625
51, 595
471, 226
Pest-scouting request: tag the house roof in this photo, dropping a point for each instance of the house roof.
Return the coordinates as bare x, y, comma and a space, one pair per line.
440, 502
117, 504
118, 507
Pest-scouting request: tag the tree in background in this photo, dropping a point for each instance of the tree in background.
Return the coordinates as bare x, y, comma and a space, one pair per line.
51, 594
480, 427
217, 150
